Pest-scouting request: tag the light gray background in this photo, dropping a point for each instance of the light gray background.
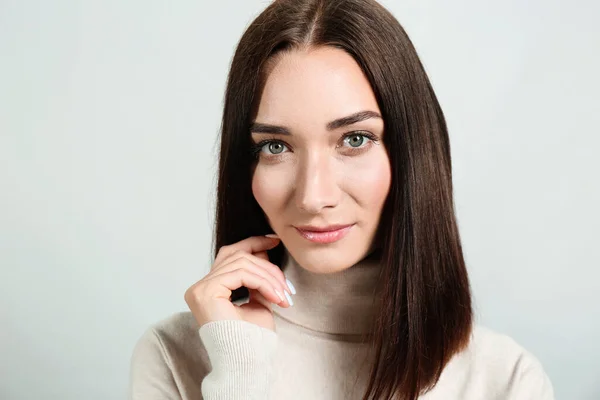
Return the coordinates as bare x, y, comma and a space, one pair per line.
109, 113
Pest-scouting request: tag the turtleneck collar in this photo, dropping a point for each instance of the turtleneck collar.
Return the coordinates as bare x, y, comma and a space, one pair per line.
337, 303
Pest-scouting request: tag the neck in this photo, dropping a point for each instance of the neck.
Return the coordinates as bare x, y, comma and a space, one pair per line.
337, 303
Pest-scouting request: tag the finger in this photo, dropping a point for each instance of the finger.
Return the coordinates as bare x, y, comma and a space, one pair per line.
263, 255
263, 263
253, 244
244, 261
256, 296
232, 280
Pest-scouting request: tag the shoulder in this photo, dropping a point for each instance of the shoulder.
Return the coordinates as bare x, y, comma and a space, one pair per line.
171, 344
502, 356
498, 348
168, 359
171, 336
498, 365
180, 326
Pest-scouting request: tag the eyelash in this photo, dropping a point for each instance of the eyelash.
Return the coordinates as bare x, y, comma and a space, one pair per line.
255, 149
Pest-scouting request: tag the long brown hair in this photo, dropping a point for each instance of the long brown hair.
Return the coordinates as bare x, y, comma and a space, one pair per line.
425, 314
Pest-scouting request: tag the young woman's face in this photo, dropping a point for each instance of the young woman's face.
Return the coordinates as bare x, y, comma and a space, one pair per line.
313, 172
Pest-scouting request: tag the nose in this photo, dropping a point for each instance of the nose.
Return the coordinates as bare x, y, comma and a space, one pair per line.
316, 183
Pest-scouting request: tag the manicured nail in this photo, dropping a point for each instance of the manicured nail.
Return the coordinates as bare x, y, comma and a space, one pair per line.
292, 288
289, 298
279, 294
272, 235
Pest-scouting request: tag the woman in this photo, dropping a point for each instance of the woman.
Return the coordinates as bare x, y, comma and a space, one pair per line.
333, 139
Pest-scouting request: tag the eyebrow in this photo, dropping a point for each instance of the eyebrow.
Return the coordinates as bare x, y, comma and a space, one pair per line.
258, 127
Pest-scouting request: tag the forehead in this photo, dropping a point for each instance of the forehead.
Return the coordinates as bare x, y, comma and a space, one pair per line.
311, 88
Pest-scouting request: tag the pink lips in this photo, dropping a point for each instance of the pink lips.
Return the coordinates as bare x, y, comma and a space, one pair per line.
325, 236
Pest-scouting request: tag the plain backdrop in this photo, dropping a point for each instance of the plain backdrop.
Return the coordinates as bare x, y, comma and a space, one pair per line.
109, 118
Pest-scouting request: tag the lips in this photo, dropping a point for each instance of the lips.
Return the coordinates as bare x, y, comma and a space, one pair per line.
332, 233
330, 228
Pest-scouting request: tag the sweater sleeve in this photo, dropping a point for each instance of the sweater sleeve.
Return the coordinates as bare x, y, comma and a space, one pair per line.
241, 356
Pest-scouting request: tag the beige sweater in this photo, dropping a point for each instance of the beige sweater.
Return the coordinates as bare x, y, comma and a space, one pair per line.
315, 352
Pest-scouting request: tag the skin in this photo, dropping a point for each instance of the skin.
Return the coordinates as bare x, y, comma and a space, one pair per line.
316, 176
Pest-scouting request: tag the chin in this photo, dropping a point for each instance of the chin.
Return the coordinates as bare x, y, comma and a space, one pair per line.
325, 259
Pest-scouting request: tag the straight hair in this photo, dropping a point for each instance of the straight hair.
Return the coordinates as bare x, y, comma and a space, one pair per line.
424, 311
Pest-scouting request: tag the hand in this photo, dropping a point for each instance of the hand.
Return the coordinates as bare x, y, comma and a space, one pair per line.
244, 263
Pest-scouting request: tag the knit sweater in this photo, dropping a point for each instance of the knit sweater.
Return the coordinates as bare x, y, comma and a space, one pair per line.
316, 351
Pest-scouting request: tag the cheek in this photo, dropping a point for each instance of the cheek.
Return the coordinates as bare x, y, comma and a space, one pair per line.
371, 182
268, 190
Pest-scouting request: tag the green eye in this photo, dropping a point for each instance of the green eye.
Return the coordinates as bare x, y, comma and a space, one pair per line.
356, 140
275, 147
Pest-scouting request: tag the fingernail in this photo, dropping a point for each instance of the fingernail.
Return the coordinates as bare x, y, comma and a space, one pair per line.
279, 294
289, 299
292, 288
272, 235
